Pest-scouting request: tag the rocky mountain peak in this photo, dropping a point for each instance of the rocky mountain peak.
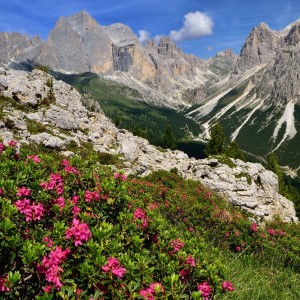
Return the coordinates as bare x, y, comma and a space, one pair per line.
13, 45
259, 47
293, 37
82, 22
120, 34
223, 62
166, 47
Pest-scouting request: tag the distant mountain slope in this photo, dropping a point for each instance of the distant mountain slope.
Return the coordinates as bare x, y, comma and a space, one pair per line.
255, 95
258, 104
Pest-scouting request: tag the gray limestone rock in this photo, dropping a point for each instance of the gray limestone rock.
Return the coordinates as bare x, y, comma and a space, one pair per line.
61, 118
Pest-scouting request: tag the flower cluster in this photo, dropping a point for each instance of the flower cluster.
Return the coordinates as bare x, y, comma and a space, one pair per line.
23, 192
80, 231
34, 158
122, 176
227, 286
254, 227
31, 211
2, 147
186, 270
55, 183
271, 232
205, 290
113, 265
153, 290
176, 244
3, 284
60, 201
51, 266
90, 196
139, 214
68, 168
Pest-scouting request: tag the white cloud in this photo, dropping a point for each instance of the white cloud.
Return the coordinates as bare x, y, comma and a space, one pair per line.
210, 48
144, 35
196, 24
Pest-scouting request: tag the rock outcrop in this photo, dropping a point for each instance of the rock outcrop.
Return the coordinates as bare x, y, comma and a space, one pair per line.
65, 121
259, 47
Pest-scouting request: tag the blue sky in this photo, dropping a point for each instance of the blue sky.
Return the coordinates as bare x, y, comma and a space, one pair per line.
200, 27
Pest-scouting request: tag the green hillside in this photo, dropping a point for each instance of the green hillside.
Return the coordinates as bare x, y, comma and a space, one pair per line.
73, 229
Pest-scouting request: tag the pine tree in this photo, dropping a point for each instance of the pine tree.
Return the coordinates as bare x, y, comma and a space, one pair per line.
233, 150
215, 144
169, 140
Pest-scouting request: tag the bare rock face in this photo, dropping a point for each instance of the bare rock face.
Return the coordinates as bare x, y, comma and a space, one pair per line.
246, 185
14, 45
77, 44
259, 48
281, 77
224, 62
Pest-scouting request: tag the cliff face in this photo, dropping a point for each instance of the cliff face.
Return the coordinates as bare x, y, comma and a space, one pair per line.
15, 46
259, 48
77, 44
65, 121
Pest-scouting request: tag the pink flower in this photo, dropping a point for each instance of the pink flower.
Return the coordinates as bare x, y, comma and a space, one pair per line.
65, 163
280, 232
37, 211
139, 214
177, 244
207, 195
254, 227
80, 231
50, 266
113, 265
23, 192
3, 284
184, 273
2, 147
89, 196
227, 286
1, 191
153, 290
34, 158
191, 229
238, 248
75, 200
205, 290
153, 206
123, 177
60, 202
55, 183
271, 232
116, 175
49, 242
31, 212
48, 289
227, 234
190, 261
76, 211
12, 143
22, 205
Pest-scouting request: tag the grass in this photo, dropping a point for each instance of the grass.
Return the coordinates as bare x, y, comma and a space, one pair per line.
246, 175
256, 281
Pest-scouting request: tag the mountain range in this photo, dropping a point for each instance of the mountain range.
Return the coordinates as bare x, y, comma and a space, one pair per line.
255, 95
